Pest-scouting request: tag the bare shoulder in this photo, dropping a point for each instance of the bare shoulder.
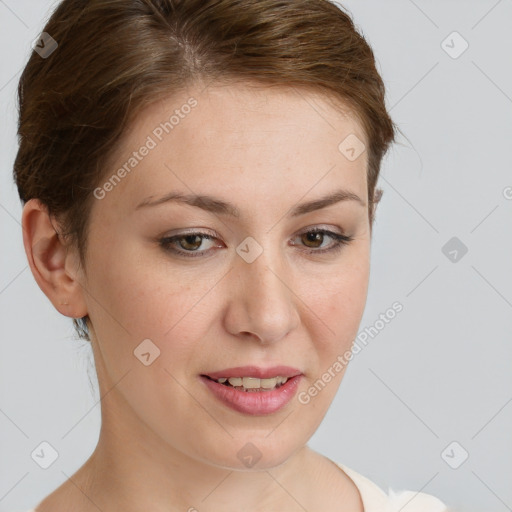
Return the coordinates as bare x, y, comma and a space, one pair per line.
63, 499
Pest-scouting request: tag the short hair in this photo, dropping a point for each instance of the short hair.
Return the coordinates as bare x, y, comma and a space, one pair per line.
115, 57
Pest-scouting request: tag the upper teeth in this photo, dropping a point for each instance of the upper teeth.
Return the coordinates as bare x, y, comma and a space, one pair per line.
253, 382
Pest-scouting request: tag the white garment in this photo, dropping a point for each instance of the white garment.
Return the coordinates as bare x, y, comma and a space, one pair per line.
376, 500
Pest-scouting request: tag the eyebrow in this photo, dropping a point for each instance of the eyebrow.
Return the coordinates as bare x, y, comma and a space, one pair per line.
218, 206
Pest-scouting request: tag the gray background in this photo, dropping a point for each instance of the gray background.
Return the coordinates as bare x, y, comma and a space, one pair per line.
439, 372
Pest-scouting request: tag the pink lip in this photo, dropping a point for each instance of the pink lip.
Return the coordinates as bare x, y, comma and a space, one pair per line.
255, 371
254, 402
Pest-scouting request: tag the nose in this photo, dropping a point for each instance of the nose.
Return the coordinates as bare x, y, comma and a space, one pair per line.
263, 304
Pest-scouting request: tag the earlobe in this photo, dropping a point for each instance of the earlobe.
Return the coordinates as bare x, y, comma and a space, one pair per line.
50, 260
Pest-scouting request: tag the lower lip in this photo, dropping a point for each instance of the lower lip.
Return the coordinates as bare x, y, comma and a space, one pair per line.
254, 402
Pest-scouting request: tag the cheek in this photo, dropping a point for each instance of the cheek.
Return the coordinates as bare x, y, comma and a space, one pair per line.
171, 304
336, 318
337, 312
139, 296
341, 299
156, 301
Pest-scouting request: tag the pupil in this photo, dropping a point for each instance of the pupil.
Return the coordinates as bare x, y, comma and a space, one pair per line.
313, 237
189, 239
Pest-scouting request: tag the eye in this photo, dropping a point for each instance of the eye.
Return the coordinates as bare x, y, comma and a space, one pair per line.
188, 244
314, 238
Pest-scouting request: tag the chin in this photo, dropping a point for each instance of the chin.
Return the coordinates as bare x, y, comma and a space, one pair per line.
255, 452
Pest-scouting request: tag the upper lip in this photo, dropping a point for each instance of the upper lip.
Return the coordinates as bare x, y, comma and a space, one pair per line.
255, 371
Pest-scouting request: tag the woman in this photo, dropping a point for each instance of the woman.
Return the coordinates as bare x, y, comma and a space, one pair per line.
199, 188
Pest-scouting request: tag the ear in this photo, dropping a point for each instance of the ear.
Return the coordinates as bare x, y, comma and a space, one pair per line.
54, 264
377, 195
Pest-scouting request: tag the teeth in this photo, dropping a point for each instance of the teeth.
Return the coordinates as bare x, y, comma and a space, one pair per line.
253, 382
269, 383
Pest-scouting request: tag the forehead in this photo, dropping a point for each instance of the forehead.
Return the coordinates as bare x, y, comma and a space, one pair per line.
240, 139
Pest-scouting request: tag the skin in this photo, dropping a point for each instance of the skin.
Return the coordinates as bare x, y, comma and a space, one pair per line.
165, 439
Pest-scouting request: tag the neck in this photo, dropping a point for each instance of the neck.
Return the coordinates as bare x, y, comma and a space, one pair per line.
132, 465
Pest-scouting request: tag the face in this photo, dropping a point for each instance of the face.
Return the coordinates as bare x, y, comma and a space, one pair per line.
259, 274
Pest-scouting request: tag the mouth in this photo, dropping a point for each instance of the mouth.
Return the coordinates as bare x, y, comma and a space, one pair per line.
252, 390
251, 384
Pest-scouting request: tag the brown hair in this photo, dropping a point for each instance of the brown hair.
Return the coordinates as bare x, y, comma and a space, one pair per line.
114, 57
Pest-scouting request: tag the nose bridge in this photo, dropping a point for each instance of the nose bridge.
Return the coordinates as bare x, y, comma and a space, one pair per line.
264, 298
264, 277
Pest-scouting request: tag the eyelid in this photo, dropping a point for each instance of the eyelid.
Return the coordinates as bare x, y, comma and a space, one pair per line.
213, 234
340, 240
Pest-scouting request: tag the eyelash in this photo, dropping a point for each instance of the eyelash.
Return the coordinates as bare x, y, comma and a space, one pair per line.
340, 241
